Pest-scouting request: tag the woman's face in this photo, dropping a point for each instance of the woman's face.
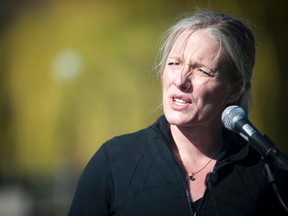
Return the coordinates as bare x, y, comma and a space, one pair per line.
194, 81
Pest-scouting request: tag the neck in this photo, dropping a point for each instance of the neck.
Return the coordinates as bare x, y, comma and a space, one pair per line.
197, 142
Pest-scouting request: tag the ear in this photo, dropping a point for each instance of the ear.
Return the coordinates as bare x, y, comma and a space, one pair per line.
236, 92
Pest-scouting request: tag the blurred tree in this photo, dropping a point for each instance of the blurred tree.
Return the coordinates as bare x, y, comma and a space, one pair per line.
76, 73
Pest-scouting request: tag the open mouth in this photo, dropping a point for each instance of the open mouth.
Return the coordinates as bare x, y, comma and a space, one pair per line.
179, 101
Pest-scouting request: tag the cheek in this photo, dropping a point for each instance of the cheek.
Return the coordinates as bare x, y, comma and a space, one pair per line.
208, 86
166, 80
213, 92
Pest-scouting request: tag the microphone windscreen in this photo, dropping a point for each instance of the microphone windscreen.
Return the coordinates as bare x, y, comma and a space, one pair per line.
231, 115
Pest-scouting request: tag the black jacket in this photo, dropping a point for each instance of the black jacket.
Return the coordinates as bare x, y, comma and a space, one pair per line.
136, 174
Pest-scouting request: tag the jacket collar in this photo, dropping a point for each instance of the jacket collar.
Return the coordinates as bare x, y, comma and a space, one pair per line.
235, 147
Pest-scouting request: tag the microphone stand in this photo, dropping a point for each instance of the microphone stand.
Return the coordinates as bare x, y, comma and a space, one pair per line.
272, 156
272, 180
268, 150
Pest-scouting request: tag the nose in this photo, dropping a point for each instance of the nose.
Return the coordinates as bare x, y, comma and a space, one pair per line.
183, 79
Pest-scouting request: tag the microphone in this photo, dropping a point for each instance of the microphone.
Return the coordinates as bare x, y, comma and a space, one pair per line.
234, 118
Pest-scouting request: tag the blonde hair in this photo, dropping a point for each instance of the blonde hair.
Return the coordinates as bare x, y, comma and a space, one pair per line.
235, 36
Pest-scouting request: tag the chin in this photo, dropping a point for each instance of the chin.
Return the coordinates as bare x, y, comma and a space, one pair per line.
175, 119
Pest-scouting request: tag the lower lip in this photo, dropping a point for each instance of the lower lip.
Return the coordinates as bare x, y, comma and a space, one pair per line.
177, 106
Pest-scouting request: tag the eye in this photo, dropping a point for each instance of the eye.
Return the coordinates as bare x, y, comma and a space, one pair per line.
205, 72
173, 63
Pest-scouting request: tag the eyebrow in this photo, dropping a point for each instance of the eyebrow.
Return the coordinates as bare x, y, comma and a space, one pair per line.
193, 65
176, 58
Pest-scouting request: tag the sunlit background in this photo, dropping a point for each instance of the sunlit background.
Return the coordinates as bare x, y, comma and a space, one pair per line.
76, 73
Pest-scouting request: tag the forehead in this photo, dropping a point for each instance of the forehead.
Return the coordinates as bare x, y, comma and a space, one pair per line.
190, 42
199, 47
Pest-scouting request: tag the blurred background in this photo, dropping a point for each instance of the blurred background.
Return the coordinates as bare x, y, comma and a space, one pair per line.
76, 73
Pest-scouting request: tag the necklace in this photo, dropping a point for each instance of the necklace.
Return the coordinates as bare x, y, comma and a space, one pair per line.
191, 176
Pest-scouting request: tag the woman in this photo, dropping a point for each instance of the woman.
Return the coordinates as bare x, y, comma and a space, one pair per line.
186, 163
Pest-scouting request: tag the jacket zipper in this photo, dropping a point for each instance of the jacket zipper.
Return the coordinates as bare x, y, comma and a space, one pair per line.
193, 212
208, 180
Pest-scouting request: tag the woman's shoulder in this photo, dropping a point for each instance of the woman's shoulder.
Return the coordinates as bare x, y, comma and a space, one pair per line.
129, 143
137, 140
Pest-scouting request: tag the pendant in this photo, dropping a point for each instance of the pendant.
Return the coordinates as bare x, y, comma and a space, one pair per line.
191, 178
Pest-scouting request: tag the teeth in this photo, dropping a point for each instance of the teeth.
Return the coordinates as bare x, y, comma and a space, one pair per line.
177, 100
